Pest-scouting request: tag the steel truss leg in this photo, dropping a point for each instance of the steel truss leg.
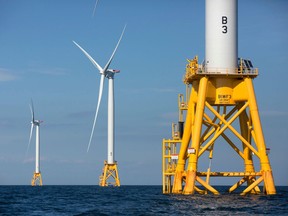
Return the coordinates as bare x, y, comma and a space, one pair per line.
178, 177
269, 186
250, 130
110, 171
36, 179
196, 134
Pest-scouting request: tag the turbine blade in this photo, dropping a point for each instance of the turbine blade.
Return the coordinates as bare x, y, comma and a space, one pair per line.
89, 57
97, 109
32, 110
95, 7
108, 63
31, 132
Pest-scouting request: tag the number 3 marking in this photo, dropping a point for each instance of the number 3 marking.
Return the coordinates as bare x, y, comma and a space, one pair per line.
224, 26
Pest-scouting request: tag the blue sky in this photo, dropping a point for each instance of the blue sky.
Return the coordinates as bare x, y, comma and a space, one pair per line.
38, 60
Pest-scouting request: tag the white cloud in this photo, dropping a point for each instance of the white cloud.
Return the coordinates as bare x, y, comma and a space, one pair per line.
29, 160
54, 71
49, 71
6, 75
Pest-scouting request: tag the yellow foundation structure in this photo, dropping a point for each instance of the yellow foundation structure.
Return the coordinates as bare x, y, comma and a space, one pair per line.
36, 179
109, 175
221, 110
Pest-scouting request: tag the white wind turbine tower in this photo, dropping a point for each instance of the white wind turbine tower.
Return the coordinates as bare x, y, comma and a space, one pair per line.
110, 166
36, 179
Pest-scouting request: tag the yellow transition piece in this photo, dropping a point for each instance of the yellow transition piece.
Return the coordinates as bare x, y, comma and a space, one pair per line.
214, 103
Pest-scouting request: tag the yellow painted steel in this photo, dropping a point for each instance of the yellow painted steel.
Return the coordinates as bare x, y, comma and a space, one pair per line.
110, 171
36, 179
196, 134
179, 172
219, 106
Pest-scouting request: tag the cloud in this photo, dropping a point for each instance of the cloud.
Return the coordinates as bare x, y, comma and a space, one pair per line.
32, 159
49, 71
6, 75
54, 71
29, 160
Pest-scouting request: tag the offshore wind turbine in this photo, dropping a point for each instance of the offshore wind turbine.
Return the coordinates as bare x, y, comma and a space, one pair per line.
110, 166
222, 93
36, 179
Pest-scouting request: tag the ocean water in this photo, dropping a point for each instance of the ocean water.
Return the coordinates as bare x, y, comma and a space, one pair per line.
133, 200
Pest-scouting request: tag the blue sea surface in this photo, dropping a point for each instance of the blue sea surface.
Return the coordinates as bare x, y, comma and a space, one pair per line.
133, 200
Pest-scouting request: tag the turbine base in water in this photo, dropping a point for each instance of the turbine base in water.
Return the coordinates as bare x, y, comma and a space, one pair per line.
110, 172
36, 179
215, 103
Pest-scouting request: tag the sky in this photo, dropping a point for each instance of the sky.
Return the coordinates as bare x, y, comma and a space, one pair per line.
39, 61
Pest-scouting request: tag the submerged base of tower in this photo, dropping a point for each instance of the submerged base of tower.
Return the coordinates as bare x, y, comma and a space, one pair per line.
109, 176
36, 179
216, 101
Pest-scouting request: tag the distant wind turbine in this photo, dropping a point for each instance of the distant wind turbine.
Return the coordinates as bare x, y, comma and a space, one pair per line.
36, 179
108, 73
110, 166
